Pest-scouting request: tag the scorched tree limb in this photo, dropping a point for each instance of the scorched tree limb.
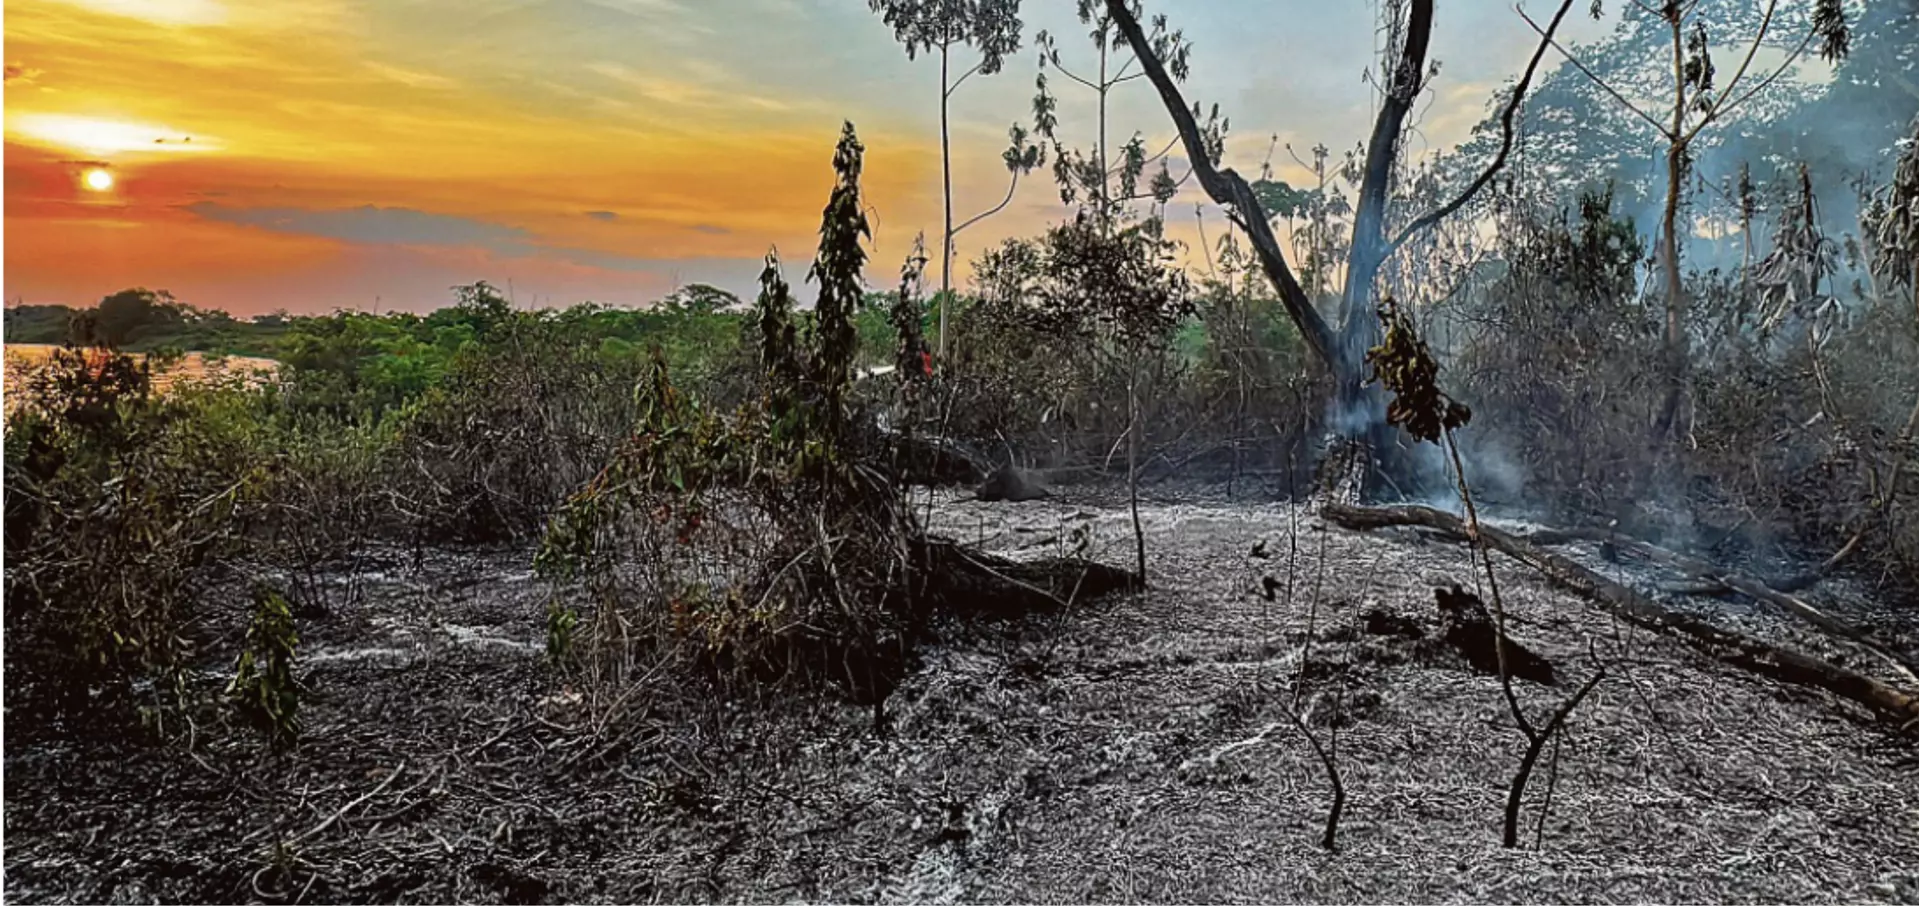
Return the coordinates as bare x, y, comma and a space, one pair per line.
1342, 350
1227, 187
1752, 588
1438, 214
1745, 652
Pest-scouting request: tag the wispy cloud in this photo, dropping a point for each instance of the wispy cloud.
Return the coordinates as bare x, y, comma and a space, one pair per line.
102, 136
160, 12
651, 7
704, 94
367, 223
21, 74
411, 77
384, 226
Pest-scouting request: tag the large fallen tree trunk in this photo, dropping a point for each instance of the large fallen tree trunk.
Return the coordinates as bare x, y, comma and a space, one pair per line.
1728, 647
1752, 588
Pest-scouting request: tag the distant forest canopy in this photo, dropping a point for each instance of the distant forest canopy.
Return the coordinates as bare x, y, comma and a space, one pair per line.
145, 320
148, 321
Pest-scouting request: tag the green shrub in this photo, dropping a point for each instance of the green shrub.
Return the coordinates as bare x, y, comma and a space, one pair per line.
264, 690
752, 541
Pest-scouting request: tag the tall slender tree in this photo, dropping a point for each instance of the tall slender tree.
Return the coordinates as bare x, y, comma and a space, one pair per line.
991, 28
1697, 102
1106, 185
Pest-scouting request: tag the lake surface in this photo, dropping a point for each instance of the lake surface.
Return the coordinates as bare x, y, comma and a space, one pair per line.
23, 359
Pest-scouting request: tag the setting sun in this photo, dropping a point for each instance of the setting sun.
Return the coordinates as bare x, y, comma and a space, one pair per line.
98, 180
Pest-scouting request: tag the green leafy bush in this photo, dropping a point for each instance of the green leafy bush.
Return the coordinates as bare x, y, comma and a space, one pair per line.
264, 690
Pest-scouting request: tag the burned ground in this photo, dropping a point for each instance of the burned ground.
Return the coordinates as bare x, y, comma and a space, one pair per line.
1129, 748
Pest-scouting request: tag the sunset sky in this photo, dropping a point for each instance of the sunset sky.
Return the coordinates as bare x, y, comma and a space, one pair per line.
317, 154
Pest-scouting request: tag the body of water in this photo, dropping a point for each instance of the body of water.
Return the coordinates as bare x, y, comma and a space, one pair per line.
23, 359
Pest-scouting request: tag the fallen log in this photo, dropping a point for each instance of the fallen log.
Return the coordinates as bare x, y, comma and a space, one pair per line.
1469, 628
925, 459
976, 583
1787, 584
1745, 652
1752, 588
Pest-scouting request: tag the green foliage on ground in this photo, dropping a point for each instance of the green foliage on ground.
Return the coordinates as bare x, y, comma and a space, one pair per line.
264, 690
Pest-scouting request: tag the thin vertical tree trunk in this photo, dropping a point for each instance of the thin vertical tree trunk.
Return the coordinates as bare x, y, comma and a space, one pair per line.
1676, 332
1133, 465
1106, 206
1746, 253
946, 177
1676, 338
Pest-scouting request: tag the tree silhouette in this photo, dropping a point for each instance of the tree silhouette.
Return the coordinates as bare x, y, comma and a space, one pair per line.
991, 28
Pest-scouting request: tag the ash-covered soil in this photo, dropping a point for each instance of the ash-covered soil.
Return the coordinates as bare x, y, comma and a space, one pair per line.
1132, 748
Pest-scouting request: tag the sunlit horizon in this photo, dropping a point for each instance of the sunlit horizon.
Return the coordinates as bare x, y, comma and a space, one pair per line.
319, 155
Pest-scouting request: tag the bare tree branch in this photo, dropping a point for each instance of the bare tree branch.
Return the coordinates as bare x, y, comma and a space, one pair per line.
963, 77
1594, 78
1227, 187
1756, 89
1069, 74
1506, 142
995, 209
1766, 21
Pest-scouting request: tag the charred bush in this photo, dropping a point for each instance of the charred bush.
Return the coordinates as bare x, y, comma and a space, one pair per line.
1553, 361
760, 542
523, 417
119, 501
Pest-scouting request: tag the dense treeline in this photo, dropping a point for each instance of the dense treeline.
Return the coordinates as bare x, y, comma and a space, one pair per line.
146, 321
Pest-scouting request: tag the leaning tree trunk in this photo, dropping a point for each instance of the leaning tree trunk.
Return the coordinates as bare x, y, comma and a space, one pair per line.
1227, 188
1360, 407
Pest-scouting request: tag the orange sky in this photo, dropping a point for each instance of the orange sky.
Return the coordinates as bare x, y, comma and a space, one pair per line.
313, 154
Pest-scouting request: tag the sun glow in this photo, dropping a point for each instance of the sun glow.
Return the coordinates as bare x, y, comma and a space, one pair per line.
101, 136
98, 180
161, 12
